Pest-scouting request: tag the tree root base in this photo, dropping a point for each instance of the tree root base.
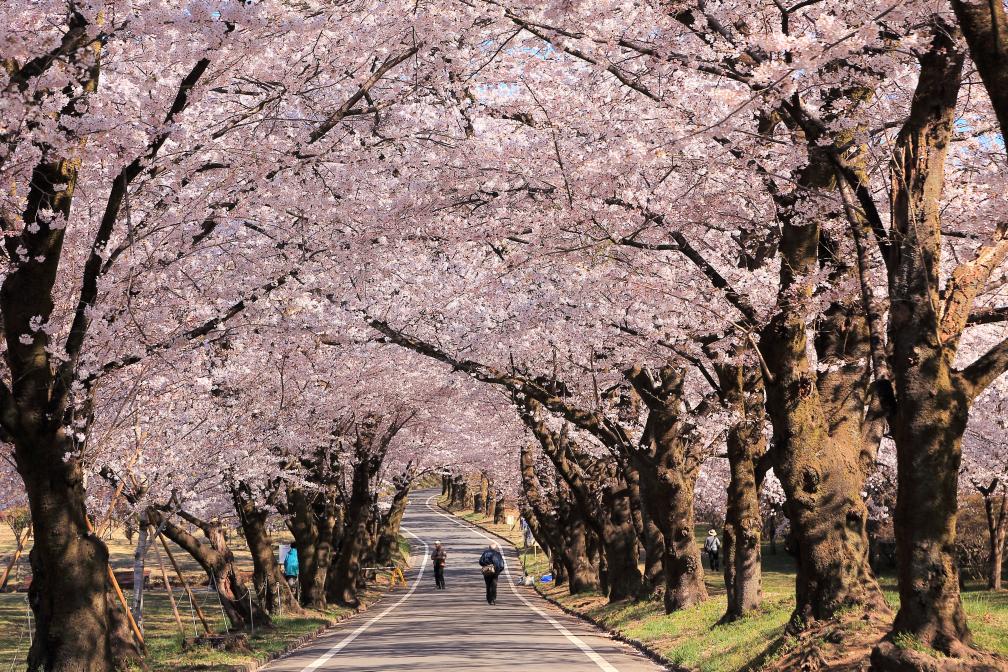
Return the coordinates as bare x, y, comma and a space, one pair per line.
233, 642
841, 644
888, 657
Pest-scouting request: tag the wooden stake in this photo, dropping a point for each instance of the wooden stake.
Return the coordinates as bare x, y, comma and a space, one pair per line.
185, 584
10, 565
171, 593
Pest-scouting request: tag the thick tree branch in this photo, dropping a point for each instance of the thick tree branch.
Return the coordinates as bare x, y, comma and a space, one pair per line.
986, 369
93, 267
965, 284
203, 329
344, 110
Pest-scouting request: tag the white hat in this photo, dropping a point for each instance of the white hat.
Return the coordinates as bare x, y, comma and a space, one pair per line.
712, 533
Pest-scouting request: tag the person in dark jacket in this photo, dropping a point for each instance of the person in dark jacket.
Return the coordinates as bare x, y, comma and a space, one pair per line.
439, 556
492, 564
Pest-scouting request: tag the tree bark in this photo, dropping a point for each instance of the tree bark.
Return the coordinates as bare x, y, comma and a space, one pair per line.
240, 606
139, 564
342, 586
817, 447
995, 508
498, 515
370, 447
668, 463
69, 594
741, 391
481, 495
561, 527
933, 399
267, 575
314, 548
388, 537
649, 534
985, 27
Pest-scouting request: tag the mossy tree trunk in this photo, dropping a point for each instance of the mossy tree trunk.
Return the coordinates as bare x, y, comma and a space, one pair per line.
668, 461
741, 389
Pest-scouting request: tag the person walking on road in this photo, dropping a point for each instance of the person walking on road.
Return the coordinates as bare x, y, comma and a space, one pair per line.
712, 546
492, 564
292, 568
439, 555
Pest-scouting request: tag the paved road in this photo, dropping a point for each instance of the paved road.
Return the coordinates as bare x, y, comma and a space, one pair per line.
455, 630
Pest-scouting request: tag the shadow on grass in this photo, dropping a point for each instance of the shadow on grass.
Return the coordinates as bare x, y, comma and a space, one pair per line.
693, 639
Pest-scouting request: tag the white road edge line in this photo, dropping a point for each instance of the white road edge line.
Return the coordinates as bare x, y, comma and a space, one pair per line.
324, 658
601, 662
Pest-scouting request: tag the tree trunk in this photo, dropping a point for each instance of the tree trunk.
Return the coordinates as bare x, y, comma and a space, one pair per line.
76, 624
668, 465
488, 503
267, 574
673, 506
933, 399
743, 394
560, 525
927, 430
996, 509
481, 495
820, 473
240, 606
70, 598
985, 25
654, 554
342, 586
499, 509
620, 543
650, 535
139, 564
388, 538
314, 544
582, 572
743, 563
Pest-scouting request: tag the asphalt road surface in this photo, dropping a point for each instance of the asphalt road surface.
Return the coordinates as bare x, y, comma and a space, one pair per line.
455, 630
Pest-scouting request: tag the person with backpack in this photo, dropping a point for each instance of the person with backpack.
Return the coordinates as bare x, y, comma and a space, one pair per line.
492, 565
712, 547
439, 555
291, 569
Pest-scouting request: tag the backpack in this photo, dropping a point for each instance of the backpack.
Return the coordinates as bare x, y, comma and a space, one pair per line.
489, 563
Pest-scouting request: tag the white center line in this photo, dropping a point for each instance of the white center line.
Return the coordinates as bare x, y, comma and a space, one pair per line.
324, 658
601, 662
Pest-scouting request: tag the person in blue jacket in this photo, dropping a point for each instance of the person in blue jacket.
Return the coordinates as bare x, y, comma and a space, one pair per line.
492, 564
292, 568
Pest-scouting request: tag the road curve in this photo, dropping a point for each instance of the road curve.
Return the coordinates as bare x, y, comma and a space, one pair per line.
455, 630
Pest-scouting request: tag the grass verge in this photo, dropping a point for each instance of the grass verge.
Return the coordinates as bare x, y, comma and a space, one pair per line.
165, 649
693, 639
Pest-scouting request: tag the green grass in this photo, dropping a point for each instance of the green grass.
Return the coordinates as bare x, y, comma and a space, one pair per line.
165, 651
163, 639
161, 632
693, 639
